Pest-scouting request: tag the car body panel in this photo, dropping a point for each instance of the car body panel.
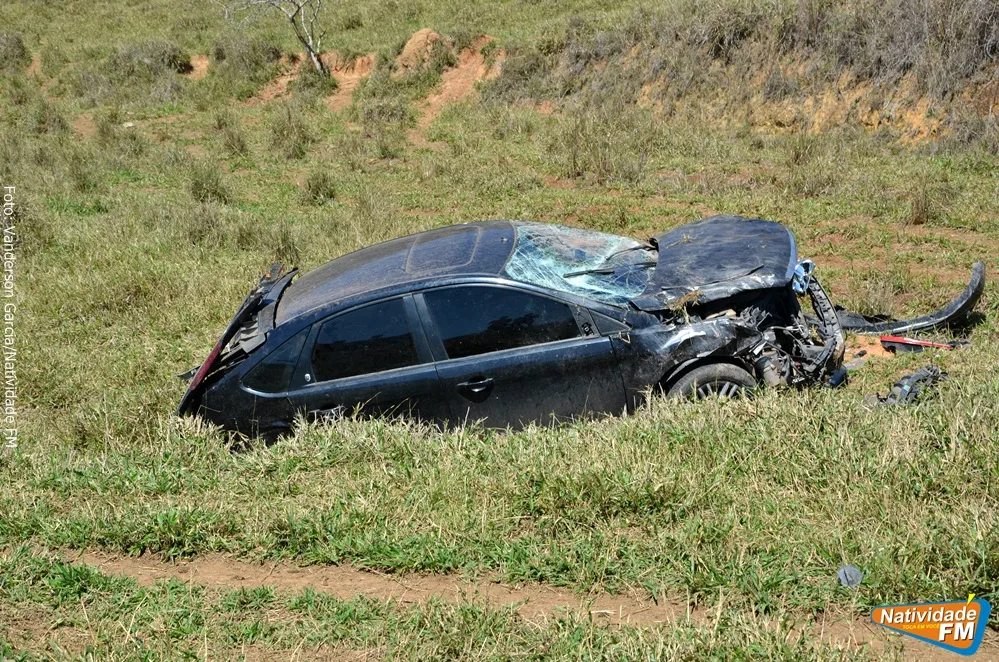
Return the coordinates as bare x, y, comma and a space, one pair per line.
397, 265
719, 257
544, 382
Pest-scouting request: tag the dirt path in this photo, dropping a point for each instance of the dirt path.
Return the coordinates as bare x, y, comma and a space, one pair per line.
345, 582
536, 603
35, 68
457, 83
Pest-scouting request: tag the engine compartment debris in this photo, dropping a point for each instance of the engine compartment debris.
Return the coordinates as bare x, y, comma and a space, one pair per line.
909, 388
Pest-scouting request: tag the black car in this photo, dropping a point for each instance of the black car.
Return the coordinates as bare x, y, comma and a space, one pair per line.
508, 322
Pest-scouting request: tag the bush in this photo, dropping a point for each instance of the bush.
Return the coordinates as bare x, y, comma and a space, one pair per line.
968, 128
81, 168
314, 82
351, 21
286, 245
45, 118
942, 44
206, 185
13, 53
290, 134
147, 61
319, 188
112, 134
205, 225
241, 66
233, 138
144, 70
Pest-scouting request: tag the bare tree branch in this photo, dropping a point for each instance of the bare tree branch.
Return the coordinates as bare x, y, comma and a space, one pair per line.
303, 15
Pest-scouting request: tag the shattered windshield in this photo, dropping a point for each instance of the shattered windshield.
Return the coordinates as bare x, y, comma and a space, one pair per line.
544, 254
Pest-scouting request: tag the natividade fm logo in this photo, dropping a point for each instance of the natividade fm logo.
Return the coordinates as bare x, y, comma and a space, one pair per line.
955, 626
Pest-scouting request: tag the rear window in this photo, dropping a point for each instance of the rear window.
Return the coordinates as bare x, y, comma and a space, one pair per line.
274, 373
363, 341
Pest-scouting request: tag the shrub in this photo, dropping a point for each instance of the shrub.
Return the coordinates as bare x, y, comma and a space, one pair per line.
45, 118
233, 138
147, 61
13, 53
241, 66
286, 245
351, 21
315, 82
113, 134
319, 188
206, 185
609, 142
81, 169
144, 70
290, 134
205, 225
968, 128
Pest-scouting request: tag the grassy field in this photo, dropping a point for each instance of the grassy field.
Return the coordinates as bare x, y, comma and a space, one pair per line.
150, 197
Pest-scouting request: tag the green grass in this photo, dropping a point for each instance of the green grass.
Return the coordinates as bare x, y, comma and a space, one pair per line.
63, 610
138, 242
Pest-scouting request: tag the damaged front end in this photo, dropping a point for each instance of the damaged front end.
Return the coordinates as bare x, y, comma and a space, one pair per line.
730, 289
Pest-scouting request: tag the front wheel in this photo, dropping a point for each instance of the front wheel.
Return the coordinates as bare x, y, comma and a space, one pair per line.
717, 379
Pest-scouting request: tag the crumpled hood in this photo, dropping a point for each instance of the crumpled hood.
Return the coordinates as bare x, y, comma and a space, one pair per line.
719, 257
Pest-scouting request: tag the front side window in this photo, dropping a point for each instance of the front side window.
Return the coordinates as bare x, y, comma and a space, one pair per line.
370, 339
273, 374
477, 320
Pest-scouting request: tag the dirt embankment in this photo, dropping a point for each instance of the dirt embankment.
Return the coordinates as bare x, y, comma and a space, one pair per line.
457, 82
349, 75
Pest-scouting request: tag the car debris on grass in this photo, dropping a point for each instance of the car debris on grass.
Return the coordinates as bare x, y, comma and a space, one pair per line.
509, 322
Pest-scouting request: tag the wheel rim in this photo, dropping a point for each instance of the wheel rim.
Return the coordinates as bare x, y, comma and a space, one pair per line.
722, 389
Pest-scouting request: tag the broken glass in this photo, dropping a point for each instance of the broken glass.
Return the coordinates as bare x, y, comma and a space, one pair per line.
545, 254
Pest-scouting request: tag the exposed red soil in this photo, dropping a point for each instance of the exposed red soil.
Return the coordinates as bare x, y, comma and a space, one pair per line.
552, 181
869, 344
458, 82
536, 603
417, 50
199, 67
83, 125
278, 87
349, 75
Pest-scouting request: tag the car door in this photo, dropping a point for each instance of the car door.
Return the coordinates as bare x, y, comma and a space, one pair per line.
372, 358
507, 356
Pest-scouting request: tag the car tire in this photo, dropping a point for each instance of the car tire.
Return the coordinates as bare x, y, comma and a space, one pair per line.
721, 379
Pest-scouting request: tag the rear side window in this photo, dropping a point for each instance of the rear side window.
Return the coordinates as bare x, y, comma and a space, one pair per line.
478, 320
273, 374
370, 339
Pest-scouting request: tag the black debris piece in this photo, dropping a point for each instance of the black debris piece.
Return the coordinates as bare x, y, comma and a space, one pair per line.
908, 389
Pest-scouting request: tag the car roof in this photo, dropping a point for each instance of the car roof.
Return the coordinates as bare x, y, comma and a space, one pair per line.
481, 248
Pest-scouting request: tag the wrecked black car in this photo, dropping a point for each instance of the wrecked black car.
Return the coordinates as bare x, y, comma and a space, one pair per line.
508, 322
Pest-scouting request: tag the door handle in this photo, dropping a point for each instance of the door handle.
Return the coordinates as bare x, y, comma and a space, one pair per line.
476, 390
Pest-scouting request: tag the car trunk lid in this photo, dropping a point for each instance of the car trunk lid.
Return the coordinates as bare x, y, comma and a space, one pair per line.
245, 332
